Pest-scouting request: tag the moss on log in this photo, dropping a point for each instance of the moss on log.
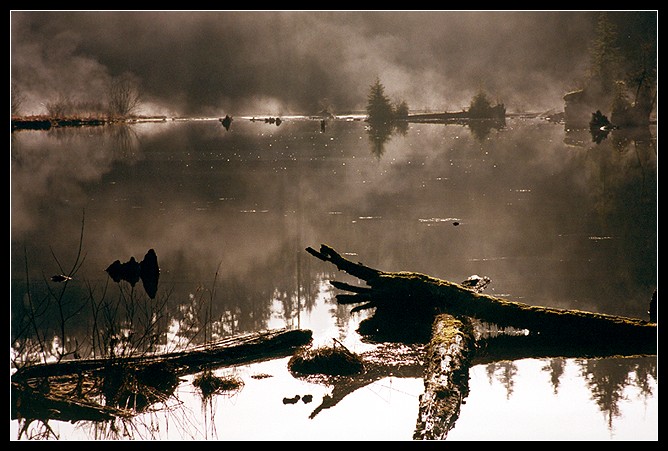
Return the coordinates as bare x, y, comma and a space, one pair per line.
446, 374
414, 298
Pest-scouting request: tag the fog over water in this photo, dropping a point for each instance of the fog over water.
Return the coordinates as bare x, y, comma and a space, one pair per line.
552, 215
282, 62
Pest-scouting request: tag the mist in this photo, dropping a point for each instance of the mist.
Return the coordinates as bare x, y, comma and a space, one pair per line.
294, 62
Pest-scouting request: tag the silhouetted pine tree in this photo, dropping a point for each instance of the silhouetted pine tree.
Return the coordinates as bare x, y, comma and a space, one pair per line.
379, 109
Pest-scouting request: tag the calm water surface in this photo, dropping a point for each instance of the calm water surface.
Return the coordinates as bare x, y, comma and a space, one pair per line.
551, 217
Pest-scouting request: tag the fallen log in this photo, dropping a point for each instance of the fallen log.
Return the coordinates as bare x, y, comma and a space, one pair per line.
234, 350
100, 389
446, 375
407, 302
408, 299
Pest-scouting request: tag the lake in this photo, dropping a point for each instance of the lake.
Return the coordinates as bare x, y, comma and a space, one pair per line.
550, 216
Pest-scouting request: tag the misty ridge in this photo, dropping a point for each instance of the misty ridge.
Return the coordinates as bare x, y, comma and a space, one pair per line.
188, 64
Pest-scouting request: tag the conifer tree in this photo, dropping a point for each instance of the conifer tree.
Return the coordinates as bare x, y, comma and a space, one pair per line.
379, 109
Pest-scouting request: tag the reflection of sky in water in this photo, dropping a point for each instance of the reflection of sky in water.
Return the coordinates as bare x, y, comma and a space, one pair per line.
528, 399
549, 223
530, 208
545, 413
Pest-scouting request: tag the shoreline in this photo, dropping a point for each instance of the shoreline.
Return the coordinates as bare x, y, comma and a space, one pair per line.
19, 123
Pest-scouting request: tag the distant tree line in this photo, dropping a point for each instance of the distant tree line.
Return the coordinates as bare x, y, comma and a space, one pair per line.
622, 74
384, 117
380, 110
123, 99
481, 108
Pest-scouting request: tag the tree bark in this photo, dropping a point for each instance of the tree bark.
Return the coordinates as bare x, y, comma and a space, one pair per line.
446, 375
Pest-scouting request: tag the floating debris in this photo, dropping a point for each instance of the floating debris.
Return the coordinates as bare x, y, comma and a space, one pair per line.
476, 283
292, 400
60, 278
261, 376
438, 220
210, 384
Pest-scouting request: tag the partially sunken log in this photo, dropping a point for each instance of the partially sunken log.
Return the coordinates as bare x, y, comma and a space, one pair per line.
446, 375
235, 350
408, 298
100, 389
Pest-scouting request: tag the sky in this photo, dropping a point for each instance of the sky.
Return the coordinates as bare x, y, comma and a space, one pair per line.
192, 63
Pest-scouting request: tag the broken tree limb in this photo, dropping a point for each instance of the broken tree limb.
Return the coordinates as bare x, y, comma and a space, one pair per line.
408, 299
446, 375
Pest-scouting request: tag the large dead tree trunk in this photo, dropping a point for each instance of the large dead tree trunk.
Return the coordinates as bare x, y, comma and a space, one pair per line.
404, 299
446, 375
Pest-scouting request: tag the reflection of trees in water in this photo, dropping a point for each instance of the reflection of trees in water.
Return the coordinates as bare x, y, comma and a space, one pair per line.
640, 141
607, 380
245, 303
622, 183
481, 128
125, 140
124, 319
120, 139
85, 320
293, 291
645, 375
638, 137
401, 127
504, 372
379, 135
622, 163
66, 159
556, 369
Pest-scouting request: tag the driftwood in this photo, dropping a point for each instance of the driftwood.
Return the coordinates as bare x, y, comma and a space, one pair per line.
417, 306
446, 374
73, 390
405, 298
